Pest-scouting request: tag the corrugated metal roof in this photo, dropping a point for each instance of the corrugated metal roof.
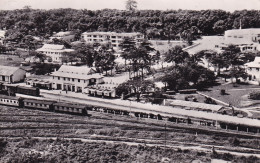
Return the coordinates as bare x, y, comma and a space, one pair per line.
7, 70
70, 105
39, 101
9, 97
53, 47
76, 76
83, 70
196, 105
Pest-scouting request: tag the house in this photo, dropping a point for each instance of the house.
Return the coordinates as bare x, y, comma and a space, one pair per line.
253, 69
68, 36
73, 78
110, 37
55, 52
10, 74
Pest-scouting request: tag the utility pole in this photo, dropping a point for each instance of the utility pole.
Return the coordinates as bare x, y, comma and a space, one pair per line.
164, 137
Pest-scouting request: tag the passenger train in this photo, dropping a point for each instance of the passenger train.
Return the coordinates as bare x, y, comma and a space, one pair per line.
80, 109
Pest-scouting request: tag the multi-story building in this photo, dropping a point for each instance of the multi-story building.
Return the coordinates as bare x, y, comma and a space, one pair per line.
73, 78
10, 74
246, 39
110, 37
55, 52
66, 36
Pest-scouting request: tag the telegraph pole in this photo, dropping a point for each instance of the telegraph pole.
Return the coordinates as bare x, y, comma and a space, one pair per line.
164, 137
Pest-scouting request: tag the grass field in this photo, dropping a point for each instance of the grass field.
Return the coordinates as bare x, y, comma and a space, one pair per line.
53, 137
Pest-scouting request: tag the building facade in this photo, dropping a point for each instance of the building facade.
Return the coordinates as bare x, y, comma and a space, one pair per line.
68, 36
11, 74
73, 78
253, 69
2, 36
55, 52
110, 37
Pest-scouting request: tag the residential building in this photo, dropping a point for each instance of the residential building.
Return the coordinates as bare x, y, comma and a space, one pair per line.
10, 74
55, 52
68, 36
110, 37
73, 78
253, 69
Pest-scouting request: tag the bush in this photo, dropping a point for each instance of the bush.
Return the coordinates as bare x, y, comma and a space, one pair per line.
254, 95
222, 91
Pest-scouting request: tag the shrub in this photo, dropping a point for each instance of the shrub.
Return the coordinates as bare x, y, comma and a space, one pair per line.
222, 91
254, 95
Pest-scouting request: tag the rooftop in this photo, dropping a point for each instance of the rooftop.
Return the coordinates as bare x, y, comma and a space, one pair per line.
196, 105
113, 33
54, 48
8, 70
77, 72
255, 63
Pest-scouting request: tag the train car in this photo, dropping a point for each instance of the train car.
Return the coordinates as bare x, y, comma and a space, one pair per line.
28, 91
11, 101
38, 104
70, 108
12, 89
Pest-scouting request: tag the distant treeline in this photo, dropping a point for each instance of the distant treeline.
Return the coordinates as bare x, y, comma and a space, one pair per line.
153, 23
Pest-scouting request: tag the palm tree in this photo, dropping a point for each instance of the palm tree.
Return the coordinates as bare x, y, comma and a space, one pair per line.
176, 55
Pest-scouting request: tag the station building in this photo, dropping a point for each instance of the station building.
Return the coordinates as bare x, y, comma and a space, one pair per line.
110, 37
73, 78
55, 52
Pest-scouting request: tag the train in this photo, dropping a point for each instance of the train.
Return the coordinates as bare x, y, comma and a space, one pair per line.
46, 105
11, 90
80, 109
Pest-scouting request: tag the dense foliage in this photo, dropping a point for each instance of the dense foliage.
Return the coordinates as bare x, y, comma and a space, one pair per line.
154, 23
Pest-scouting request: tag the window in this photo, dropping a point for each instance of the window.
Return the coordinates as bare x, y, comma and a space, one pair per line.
64, 79
58, 78
53, 77
72, 79
68, 79
257, 69
79, 80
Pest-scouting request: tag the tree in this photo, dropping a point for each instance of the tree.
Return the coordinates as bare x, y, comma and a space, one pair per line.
128, 45
176, 55
105, 59
131, 5
86, 53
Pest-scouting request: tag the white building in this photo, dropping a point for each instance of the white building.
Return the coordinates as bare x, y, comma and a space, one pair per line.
246, 39
110, 37
66, 36
253, 69
107, 89
2, 36
10, 74
55, 52
73, 78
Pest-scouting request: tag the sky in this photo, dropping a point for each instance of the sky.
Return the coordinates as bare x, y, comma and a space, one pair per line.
228, 5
